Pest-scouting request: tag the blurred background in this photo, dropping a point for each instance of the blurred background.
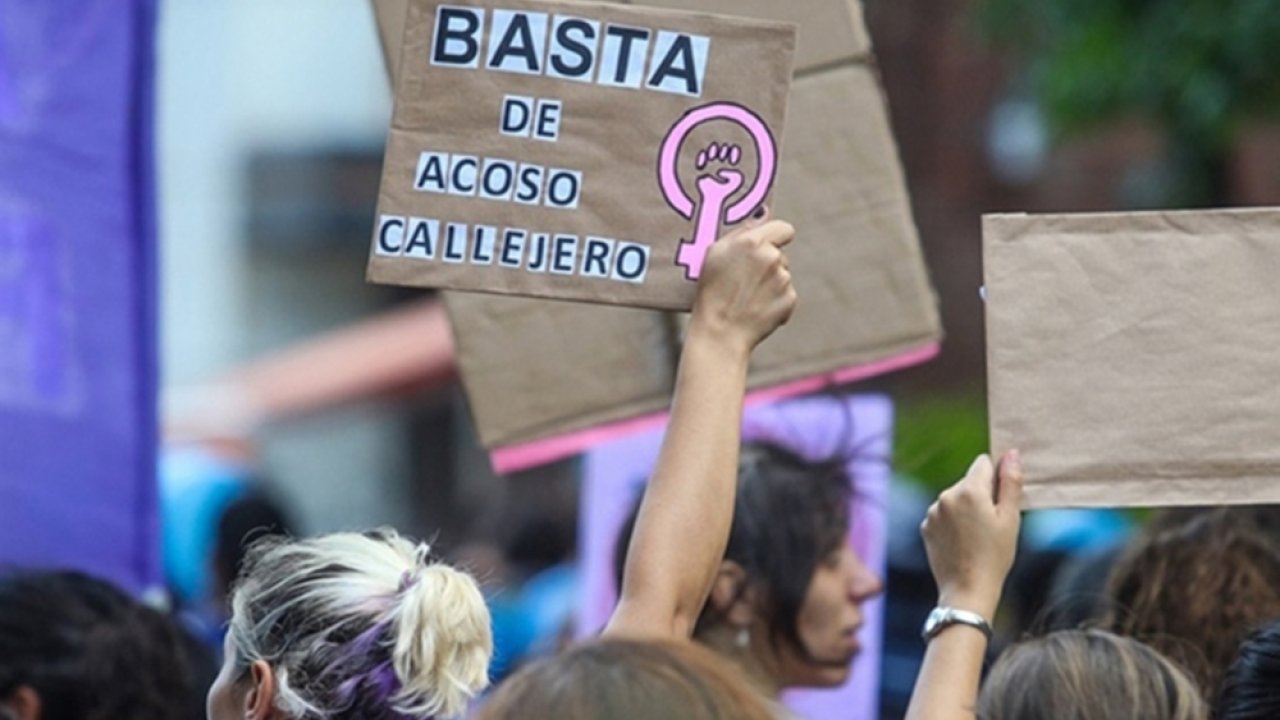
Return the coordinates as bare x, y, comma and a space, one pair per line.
271, 118
287, 390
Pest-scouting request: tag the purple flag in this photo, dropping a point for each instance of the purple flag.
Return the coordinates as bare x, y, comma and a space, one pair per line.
77, 288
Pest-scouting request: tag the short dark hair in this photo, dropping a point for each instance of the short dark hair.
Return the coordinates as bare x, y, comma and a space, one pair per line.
789, 514
90, 651
1250, 689
246, 519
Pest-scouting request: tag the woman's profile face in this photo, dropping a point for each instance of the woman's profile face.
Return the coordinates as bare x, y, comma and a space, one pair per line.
829, 621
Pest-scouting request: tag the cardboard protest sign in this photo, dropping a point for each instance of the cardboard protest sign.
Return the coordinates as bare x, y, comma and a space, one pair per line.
1133, 358
390, 16
573, 150
588, 372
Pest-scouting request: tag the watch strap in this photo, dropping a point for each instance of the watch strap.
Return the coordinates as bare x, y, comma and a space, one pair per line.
944, 617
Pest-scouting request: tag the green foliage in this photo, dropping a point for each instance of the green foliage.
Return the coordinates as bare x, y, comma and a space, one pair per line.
1196, 68
938, 435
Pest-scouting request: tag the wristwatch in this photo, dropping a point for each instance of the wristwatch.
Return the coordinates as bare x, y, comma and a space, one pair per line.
943, 617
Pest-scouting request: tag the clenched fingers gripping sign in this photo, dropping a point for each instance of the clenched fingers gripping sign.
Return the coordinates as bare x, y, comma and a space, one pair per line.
574, 150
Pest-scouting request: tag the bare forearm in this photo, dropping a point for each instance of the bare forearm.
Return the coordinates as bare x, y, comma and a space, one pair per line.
684, 519
947, 687
744, 294
971, 536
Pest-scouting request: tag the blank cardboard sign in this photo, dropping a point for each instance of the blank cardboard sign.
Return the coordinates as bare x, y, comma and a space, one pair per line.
575, 150
1134, 358
552, 376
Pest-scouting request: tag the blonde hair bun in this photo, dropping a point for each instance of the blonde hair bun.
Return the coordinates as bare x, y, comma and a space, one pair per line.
443, 642
361, 624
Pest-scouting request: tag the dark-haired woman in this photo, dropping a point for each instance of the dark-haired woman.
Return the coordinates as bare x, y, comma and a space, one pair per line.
76, 648
371, 627
786, 605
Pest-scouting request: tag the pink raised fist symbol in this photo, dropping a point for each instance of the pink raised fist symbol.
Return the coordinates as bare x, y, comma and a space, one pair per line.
715, 185
725, 182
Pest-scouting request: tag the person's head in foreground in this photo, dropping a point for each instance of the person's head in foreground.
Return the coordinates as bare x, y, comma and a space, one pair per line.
1251, 688
1088, 675
1195, 589
351, 626
786, 603
635, 680
76, 648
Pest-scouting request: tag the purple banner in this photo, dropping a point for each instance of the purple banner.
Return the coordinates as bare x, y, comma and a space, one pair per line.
77, 288
812, 427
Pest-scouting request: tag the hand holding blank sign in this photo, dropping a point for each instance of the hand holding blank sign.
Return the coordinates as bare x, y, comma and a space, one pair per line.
745, 292
971, 534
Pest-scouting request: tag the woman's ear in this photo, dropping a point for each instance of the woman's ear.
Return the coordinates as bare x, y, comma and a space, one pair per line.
22, 704
259, 701
731, 595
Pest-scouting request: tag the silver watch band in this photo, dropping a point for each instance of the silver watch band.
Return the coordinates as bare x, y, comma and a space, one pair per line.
944, 617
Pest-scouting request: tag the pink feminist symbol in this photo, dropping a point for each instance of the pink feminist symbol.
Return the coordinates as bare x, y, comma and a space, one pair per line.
714, 188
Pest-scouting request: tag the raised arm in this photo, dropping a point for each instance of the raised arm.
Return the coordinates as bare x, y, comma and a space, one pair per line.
744, 293
971, 535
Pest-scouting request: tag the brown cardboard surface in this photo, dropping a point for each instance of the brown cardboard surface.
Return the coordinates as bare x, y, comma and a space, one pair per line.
390, 15
590, 363
1132, 358
536, 368
826, 36
856, 262
610, 137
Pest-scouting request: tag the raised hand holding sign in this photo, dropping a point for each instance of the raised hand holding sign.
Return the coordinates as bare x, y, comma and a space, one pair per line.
522, 149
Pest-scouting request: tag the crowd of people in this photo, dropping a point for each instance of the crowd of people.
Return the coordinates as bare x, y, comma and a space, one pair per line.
736, 583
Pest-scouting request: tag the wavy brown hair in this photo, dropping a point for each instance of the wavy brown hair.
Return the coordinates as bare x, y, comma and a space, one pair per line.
632, 679
1194, 586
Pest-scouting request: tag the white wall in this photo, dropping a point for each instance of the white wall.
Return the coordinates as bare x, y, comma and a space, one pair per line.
235, 76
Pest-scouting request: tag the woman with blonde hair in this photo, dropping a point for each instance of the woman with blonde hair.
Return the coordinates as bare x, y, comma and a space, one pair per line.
351, 626
369, 627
